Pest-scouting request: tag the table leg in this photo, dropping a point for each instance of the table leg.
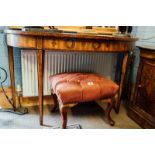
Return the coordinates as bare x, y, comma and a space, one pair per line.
40, 82
122, 82
16, 109
12, 76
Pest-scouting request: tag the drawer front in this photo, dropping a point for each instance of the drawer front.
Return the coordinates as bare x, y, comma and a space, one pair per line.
71, 44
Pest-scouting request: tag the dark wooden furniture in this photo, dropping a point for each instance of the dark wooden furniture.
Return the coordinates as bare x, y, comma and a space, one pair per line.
142, 109
42, 41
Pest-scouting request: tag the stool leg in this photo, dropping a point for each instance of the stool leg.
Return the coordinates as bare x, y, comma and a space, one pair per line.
116, 103
107, 113
63, 112
55, 103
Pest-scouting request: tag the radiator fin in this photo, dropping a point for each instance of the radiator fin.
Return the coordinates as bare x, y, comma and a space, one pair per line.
58, 62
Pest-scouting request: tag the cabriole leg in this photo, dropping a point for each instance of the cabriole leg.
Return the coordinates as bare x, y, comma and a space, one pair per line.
55, 103
108, 118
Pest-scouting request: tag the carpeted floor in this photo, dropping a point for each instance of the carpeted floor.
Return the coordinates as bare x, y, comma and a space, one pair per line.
89, 116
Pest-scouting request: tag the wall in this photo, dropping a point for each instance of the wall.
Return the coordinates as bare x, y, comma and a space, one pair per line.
4, 61
146, 35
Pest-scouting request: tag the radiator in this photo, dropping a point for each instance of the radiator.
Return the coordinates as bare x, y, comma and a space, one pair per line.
58, 62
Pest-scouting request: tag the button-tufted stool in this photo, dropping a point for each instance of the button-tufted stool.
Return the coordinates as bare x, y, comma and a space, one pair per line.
71, 88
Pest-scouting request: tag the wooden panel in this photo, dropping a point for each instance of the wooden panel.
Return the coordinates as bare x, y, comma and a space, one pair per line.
86, 45
21, 41
146, 88
141, 117
143, 106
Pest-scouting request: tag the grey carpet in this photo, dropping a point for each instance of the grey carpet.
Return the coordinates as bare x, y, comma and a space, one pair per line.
88, 116
72, 126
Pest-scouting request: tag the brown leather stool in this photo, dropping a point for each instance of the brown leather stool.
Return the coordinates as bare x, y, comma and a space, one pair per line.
70, 88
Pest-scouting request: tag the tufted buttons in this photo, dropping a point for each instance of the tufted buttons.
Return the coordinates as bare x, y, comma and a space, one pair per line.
90, 83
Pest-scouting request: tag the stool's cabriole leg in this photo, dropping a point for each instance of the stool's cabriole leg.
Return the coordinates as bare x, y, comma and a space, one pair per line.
108, 118
63, 112
55, 103
64, 117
